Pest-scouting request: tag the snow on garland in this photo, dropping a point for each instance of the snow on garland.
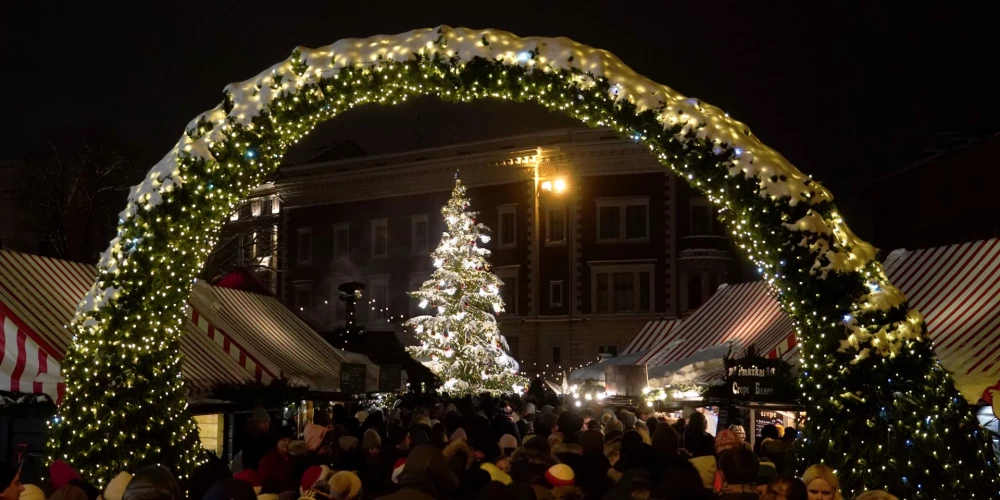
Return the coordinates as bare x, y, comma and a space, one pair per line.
843, 306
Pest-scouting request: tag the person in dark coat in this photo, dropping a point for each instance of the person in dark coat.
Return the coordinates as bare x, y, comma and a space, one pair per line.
206, 475
258, 439
592, 471
681, 481
571, 425
530, 462
696, 440
425, 476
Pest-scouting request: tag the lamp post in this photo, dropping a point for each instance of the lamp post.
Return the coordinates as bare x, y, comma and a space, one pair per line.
555, 186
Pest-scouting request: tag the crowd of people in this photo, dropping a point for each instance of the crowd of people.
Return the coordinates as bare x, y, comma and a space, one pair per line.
479, 449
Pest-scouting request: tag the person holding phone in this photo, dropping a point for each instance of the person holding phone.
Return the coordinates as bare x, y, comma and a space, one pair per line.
11, 480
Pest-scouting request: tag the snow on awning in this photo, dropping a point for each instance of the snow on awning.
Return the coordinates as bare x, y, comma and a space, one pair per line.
649, 335
275, 339
737, 315
39, 295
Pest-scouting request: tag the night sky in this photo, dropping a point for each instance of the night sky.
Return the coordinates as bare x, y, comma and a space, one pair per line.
847, 93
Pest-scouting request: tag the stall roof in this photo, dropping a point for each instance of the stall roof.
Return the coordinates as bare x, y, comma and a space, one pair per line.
741, 315
955, 287
650, 334
274, 338
39, 295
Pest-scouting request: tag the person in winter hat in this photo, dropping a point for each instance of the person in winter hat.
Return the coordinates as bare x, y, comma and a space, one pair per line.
627, 419
31, 492
739, 469
251, 477
153, 483
530, 462
508, 443
737, 427
60, 474
115, 489
425, 476
345, 485
696, 440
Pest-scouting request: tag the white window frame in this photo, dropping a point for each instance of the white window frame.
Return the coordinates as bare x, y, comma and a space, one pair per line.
306, 286
505, 273
338, 227
414, 220
383, 223
301, 233
609, 344
548, 226
612, 267
375, 316
556, 300
501, 211
622, 203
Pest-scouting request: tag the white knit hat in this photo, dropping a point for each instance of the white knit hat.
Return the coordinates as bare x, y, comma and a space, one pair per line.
116, 488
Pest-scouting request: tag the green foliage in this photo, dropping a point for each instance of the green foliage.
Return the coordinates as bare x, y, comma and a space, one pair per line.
893, 421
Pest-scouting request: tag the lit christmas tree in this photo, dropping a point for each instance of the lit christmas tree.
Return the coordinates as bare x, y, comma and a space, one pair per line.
461, 342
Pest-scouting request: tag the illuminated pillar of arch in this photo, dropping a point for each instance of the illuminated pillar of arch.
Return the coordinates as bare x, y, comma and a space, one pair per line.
882, 411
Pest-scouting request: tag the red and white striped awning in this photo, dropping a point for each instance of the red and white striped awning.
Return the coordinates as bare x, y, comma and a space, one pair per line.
742, 315
264, 336
957, 289
39, 295
650, 334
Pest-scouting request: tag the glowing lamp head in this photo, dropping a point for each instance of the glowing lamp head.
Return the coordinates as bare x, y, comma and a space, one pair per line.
560, 185
547, 186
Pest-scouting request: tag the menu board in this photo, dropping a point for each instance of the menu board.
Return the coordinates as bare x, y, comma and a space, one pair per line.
765, 417
352, 378
390, 378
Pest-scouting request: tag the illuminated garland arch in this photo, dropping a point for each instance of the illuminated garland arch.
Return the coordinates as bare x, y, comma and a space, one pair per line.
883, 411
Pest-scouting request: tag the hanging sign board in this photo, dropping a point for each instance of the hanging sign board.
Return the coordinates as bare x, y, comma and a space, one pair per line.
390, 378
760, 379
352, 378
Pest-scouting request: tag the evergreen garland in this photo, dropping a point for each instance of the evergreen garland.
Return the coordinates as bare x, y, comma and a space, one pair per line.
882, 410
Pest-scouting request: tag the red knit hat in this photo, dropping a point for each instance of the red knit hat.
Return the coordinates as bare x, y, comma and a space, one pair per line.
726, 439
560, 475
310, 476
61, 474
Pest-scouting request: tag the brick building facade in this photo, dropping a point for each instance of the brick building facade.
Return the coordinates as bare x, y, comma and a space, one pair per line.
624, 242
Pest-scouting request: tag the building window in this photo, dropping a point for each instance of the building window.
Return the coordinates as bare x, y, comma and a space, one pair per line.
508, 289
623, 219
555, 294
264, 245
418, 233
304, 244
555, 225
556, 355
694, 292
378, 305
267, 206
246, 211
507, 226
606, 351
701, 218
380, 238
513, 346
622, 287
341, 240
303, 297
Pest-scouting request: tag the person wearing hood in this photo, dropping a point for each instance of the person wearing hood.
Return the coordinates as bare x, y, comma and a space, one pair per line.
696, 440
276, 465
633, 484
425, 476
570, 424
371, 471
681, 481
257, 440
739, 470
592, 469
529, 463
153, 483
